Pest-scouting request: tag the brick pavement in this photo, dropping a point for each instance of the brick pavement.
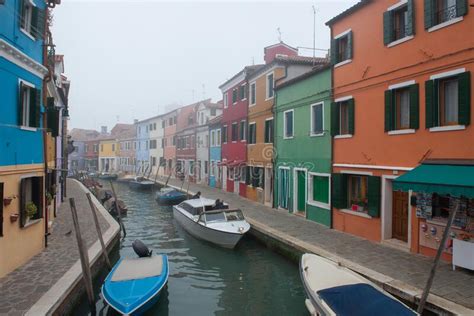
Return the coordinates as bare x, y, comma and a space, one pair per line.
412, 269
24, 286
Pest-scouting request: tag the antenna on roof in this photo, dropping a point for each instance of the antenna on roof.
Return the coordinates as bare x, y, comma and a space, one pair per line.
279, 34
314, 34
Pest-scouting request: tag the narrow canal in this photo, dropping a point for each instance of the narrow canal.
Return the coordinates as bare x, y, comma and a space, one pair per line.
205, 279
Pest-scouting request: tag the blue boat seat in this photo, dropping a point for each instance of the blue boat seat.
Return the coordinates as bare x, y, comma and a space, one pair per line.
138, 268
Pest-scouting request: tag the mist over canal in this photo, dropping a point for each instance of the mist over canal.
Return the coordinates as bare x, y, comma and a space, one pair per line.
205, 279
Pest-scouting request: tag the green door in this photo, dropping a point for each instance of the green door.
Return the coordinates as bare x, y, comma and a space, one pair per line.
283, 196
301, 188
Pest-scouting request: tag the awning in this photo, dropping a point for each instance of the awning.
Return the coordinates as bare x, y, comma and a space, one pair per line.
456, 180
236, 163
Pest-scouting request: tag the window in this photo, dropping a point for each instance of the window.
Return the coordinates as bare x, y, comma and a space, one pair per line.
234, 96
170, 121
448, 100
153, 143
154, 126
288, 124
206, 144
270, 85
441, 11
191, 167
32, 19
234, 132
205, 166
175, 119
358, 188
242, 130
30, 109
213, 112
269, 131
31, 199
213, 138
211, 168
398, 23
319, 189
317, 119
224, 134
252, 134
163, 123
190, 119
218, 138
242, 93
226, 99
253, 93
342, 117
153, 161
401, 108
255, 177
96, 148
341, 48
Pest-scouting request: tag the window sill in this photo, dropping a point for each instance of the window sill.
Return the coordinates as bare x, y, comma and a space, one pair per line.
316, 134
28, 34
343, 136
342, 63
250, 105
268, 98
32, 222
27, 128
402, 132
320, 205
289, 137
448, 128
445, 24
401, 40
364, 215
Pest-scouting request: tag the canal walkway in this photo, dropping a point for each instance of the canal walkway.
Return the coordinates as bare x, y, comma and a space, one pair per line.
401, 273
41, 285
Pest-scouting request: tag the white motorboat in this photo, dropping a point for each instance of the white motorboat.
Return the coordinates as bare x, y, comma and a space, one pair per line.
335, 290
218, 225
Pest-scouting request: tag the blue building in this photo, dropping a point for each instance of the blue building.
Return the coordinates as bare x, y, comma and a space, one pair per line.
215, 170
142, 149
22, 166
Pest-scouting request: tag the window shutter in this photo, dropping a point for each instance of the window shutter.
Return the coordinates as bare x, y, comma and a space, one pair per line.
53, 121
464, 95
334, 51
38, 185
38, 21
50, 102
334, 119
20, 104
22, 13
351, 103
430, 106
414, 106
388, 111
33, 108
350, 49
387, 27
373, 196
339, 190
22, 202
429, 12
410, 27
247, 175
461, 7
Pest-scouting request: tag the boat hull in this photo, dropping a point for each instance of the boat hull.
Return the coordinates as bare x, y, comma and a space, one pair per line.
140, 186
162, 199
108, 177
220, 238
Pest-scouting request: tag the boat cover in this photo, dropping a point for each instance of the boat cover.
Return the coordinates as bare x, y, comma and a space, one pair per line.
362, 299
138, 268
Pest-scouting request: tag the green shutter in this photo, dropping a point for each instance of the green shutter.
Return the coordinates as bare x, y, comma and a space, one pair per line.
431, 104
387, 27
350, 49
429, 14
351, 103
414, 106
464, 95
38, 17
388, 110
461, 7
53, 121
334, 119
339, 190
410, 27
334, 51
321, 189
20, 104
373, 196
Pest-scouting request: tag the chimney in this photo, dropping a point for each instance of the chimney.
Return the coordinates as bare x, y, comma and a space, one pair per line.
103, 129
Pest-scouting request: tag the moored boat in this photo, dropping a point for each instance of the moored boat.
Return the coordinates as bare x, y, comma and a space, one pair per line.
107, 176
141, 183
335, 290
218, 225
169, 196
126, 178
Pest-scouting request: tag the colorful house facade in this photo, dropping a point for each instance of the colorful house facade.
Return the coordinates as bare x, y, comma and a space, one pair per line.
22, 165
397, 114
156, 144
168, 124
108, 155
303, 145
91, 154
215, 169
125, 135
142, 151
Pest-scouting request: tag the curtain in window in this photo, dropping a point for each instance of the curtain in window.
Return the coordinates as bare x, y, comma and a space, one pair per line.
404, 109
451, 101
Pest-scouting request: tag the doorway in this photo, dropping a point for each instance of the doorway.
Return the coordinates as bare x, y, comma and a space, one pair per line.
299, 197
268, 185
400, 215
283, 188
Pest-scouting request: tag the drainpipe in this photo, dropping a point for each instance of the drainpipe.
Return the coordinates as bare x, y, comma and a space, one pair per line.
45, 135
331, 97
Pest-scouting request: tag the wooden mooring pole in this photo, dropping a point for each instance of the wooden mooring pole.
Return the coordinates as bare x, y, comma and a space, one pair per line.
83, 253
99, 232
119, 210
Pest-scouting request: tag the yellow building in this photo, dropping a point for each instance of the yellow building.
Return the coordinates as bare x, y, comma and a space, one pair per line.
108, 152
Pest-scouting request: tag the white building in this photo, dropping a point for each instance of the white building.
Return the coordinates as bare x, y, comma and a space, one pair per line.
156, 144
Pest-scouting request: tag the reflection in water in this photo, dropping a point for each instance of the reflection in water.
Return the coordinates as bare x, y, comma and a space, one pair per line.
205, 279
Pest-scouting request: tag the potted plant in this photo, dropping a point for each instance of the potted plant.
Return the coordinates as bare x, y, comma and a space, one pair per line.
31, 209
49, 198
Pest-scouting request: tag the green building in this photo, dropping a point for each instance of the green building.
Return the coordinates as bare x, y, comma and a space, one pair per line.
303, 146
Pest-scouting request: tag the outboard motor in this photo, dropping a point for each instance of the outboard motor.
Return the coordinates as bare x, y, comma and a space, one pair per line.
141, 249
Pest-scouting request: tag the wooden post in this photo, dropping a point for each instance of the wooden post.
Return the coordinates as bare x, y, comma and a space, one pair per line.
119, 210
442, 244
83, 253
99, 232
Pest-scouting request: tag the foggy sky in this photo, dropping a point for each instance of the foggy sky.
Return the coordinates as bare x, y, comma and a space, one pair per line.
131, 59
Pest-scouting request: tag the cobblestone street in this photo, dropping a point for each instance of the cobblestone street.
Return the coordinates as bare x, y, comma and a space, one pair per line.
23, 287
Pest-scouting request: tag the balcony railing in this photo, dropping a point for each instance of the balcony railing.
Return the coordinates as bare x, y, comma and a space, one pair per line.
445, 14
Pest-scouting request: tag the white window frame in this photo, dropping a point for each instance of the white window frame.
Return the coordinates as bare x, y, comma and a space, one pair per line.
338, 36
293, 125
213, 140
253, 83
218, 137
227, 134
245, 94
248, 127
311, 200
226, 99
232, 132
244, 139
28, 25
267, 97
312, 133
26, 114
191, 167
267, 119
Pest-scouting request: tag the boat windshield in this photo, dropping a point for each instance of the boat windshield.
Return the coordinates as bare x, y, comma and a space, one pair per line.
215, 217
235, 215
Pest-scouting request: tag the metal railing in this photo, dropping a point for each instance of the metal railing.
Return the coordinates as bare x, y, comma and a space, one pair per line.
445, 14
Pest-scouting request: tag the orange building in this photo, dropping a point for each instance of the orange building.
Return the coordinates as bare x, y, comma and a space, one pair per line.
402, 97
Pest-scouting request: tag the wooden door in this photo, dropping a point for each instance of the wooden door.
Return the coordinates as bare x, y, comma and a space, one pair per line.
301, 191
400, 215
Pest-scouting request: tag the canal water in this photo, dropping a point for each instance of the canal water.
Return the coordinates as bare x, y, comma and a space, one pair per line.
205, 279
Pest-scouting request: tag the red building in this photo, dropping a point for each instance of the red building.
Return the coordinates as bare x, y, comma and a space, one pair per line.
234, 125
91, 154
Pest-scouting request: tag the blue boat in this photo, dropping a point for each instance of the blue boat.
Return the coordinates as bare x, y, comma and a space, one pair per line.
134, 284
141, 183
169, 196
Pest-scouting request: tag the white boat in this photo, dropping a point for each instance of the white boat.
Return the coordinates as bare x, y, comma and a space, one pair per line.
223, 227
335, 290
